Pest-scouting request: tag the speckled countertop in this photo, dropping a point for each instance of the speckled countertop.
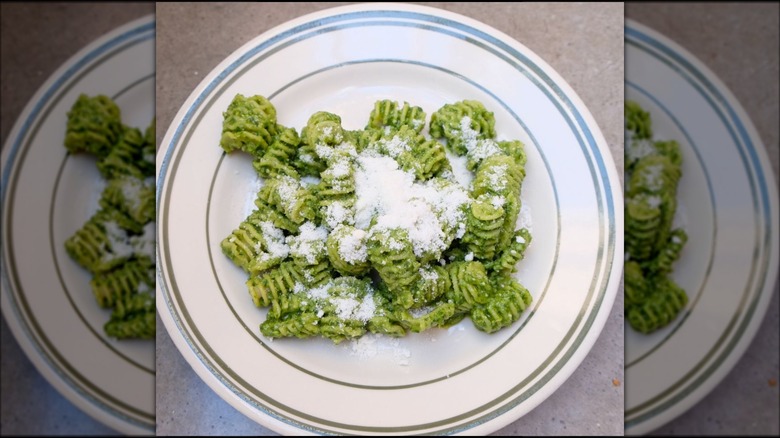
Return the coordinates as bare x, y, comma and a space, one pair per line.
740, 43
584, 43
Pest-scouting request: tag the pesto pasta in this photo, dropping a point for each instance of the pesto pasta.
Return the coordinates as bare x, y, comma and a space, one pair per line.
116, 245
653, 170
370, 230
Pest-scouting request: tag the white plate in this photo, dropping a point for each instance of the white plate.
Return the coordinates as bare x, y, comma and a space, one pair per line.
47, 196
443, 381
729, 207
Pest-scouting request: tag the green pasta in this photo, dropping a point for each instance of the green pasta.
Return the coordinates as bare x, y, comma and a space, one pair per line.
653, 171
116, 245
94, 125
369, 230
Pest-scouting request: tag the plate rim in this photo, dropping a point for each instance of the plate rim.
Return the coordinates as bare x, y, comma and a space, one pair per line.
612, 189
764, 295
21, 332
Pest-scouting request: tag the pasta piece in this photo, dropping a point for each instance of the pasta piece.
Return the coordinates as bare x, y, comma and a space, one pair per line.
125, 156
451, 120
289, 197
132, 277
94, 125
484, 224
271, 286
133, 317
470, 285
434, 282
662, 305
419, 320
391, 254
505, 306
249, 125
323, 128
133, 197
347, 250
277, 159
256, 245
506, 261
634, 284
387, 114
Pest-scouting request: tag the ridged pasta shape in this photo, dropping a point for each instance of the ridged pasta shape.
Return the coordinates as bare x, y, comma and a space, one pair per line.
514, 149
271, 286
92, 246
392, 255
248, 245
248, 125
669, 253
278, 158
420, 320
133, 317
434, 282
289, 197
348, 251
112, 286
448, 122
470, 285
132, 196
94, 125
635, 285
414, 153
385, 321
302, 325
323, 128
643, 223
318, 274
307, 162
484, 224
662, 305
505, 306
124, 156
387, 114
637, 120
506, 261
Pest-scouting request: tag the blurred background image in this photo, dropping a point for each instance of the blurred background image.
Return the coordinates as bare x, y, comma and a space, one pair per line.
711, 367
61, 373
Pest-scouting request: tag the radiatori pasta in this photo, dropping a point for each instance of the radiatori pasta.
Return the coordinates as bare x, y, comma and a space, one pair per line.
371, 230
652, 299
116, 245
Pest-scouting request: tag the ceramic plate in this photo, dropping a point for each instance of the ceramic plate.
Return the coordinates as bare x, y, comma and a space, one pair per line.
47, 195
728, 205
442, 381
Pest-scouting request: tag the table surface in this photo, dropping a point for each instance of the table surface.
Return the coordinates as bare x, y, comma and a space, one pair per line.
741, 45
584, 43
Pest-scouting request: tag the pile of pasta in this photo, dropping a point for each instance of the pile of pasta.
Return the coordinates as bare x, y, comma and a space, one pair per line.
116, 245
370, 231
652, 298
